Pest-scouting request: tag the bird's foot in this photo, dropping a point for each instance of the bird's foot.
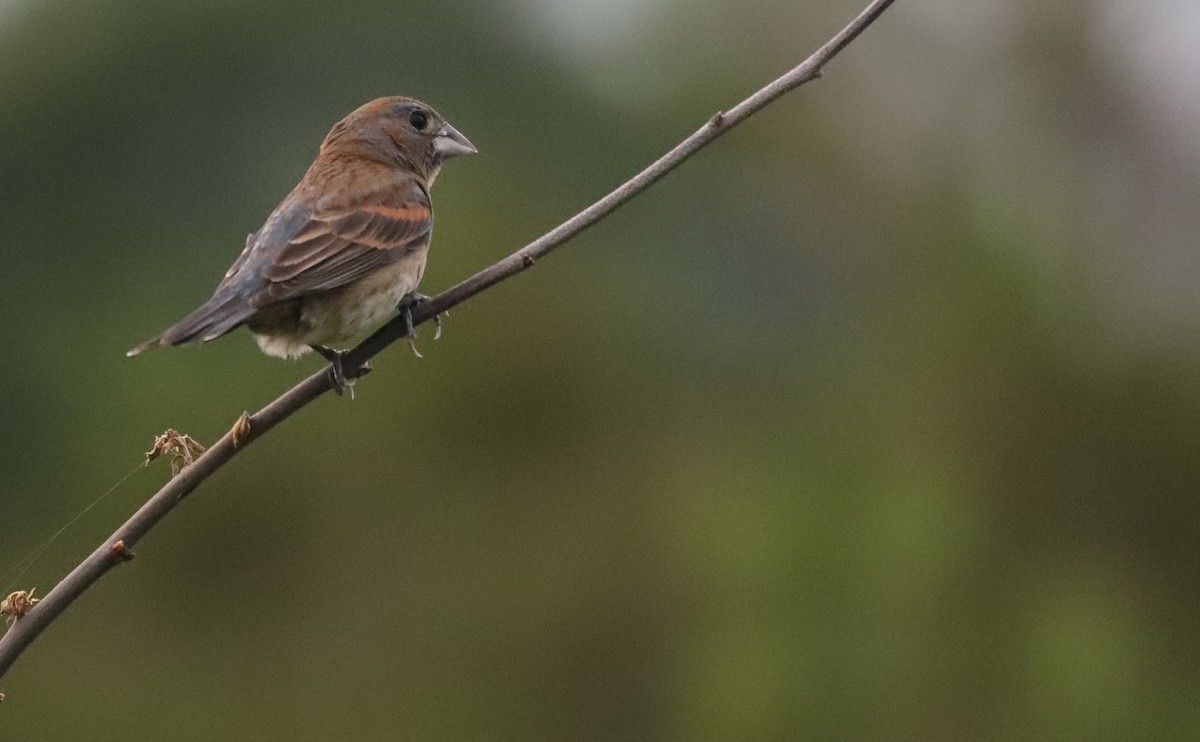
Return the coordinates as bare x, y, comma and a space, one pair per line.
341, 381
405, 306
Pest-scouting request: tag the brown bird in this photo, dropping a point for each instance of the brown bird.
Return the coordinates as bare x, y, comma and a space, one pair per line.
347, 246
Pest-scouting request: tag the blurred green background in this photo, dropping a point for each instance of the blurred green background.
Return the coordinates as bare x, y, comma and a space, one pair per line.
878, 420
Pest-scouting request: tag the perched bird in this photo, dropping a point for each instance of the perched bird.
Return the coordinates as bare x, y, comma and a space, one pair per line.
347, 246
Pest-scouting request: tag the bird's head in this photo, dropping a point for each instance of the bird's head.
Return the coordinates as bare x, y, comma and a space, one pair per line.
401, 131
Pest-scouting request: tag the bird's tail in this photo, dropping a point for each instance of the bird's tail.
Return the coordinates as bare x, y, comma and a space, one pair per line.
220, 314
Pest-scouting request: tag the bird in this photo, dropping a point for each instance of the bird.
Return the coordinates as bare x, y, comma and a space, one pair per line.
345, 249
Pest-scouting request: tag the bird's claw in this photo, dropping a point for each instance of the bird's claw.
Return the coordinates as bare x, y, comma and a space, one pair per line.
338, 378
437, 324
410, 332
406, 305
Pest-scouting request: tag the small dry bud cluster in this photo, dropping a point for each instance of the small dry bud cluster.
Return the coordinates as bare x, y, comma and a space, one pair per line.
17, 604
182, 448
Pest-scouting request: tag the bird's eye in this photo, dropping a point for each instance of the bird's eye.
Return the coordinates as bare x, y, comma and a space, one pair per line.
418, 119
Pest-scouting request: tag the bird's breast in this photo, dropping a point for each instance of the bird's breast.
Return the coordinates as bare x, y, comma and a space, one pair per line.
331, 317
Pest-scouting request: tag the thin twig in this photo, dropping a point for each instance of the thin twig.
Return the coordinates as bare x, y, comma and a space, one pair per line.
115, 550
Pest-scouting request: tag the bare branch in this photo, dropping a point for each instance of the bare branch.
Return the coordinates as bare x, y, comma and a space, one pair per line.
116, 549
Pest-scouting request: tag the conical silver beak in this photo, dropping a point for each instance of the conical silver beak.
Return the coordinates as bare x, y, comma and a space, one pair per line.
450, 142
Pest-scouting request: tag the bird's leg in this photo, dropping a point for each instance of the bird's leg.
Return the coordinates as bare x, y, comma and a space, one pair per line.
405, 306
340, 380
335, 362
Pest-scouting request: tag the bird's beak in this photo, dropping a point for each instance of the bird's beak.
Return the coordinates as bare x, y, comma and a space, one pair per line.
450, 142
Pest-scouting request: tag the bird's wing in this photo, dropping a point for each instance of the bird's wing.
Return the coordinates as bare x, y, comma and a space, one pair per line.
335, 246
